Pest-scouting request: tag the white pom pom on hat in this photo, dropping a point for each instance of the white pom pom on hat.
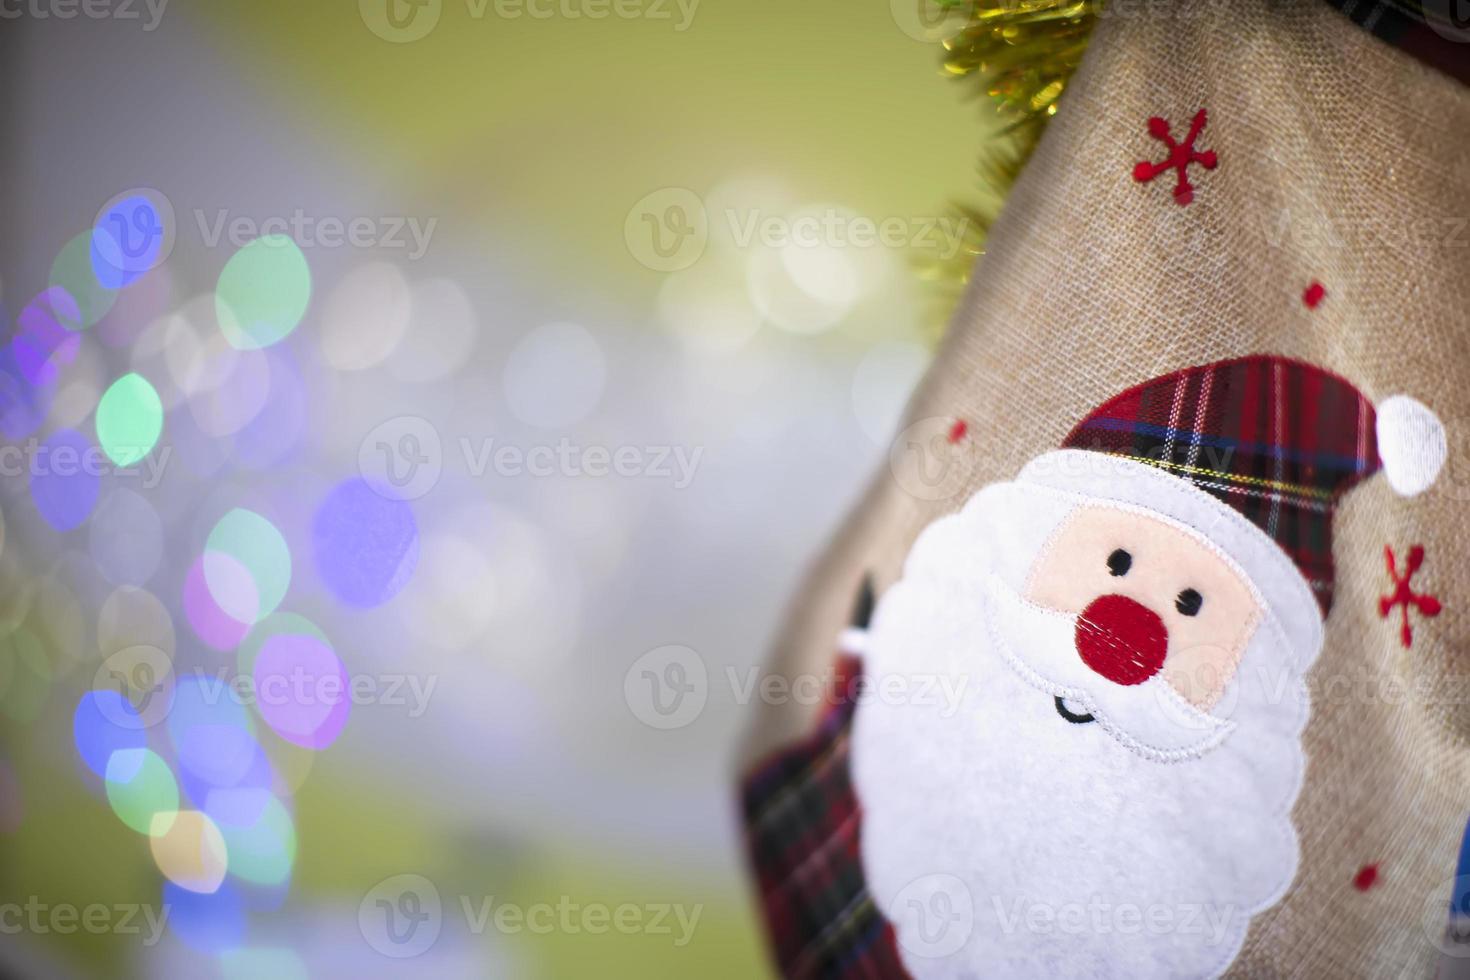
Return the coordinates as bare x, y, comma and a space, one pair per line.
1411, 444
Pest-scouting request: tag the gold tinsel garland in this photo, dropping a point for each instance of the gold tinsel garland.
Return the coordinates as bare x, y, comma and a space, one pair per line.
1020, 54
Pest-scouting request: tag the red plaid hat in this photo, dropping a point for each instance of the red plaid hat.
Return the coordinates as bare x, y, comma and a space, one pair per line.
1278, 440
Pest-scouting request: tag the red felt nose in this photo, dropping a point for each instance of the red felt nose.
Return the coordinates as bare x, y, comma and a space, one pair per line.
1123, 640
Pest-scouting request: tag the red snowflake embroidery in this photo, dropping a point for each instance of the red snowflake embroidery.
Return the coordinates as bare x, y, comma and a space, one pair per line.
1181, 155
1366, 877
1404, 595
958, 430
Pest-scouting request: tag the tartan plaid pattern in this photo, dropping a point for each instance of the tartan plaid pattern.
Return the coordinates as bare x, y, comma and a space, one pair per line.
801, 826
1430, 32
1278, 440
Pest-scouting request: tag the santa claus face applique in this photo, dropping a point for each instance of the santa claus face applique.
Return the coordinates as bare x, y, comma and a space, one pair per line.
1130, 621
1149, 599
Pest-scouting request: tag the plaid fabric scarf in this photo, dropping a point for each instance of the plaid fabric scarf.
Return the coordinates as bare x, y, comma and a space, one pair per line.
802, 824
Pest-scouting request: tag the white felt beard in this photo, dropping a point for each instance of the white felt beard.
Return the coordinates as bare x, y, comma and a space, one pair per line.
1003, 841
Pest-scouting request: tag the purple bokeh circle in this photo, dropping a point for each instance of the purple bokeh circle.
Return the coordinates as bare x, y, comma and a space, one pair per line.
64, 479
366, 545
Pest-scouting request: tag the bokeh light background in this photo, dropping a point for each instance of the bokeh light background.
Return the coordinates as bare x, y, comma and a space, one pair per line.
240, 451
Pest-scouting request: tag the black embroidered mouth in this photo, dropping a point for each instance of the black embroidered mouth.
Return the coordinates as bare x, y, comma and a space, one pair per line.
1071, 716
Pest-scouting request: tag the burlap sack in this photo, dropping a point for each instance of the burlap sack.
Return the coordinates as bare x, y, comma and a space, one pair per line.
1342, 161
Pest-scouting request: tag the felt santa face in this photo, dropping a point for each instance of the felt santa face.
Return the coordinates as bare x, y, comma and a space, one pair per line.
1184, 611
1130, 622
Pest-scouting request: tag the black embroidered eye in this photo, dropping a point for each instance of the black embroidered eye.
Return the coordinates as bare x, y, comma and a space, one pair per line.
1119, 562
1189, 602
